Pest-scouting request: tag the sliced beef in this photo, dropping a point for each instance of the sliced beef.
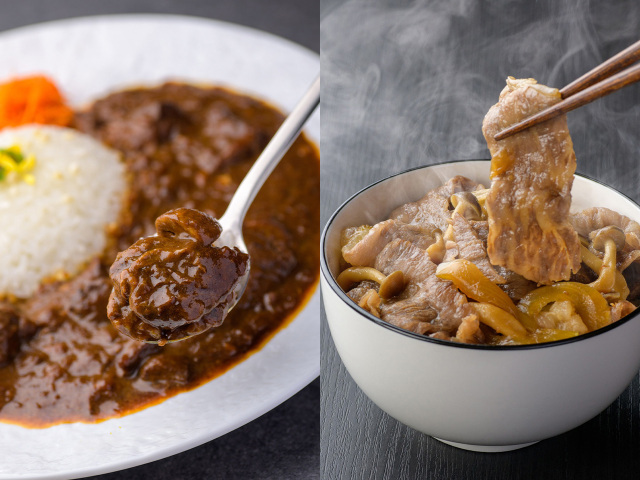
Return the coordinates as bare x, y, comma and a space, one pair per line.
364, 252
357, 292
481, 227
471, 247
402, 255
596, 218
515, 285
626, 258
450, 304
409, 311
419, 271
584, 275
632, 276
532, 173
412, 313
433, 208
422, 236
469, 330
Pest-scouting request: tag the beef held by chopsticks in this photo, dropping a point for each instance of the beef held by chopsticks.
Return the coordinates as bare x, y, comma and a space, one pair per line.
532, 173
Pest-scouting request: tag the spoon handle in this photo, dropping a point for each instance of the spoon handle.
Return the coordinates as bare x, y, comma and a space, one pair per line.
269, 158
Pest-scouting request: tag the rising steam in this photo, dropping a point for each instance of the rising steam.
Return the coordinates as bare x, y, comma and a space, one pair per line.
407, 83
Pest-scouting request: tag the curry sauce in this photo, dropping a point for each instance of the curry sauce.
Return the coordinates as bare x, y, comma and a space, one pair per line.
61, 360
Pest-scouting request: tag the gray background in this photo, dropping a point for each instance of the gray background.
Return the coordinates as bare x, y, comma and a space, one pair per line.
407, 83
284, 443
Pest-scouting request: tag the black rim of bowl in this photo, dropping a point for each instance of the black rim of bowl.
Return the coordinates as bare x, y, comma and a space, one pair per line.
324, 268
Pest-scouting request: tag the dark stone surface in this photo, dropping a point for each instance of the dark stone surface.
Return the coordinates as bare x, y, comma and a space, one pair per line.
296, 20
284, 443
407, 83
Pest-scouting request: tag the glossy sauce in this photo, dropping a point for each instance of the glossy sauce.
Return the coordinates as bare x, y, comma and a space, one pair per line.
184, 147
177, 283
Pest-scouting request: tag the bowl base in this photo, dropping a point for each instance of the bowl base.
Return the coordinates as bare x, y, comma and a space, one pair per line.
485, 448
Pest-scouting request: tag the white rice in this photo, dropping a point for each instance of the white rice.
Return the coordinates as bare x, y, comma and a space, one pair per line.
55, 226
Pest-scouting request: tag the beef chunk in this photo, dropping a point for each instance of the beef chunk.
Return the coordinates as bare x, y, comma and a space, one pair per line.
175, 284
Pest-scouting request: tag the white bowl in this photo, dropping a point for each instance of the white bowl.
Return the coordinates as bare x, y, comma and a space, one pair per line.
476, 397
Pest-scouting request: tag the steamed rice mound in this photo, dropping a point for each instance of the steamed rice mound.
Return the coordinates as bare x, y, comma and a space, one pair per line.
53, 227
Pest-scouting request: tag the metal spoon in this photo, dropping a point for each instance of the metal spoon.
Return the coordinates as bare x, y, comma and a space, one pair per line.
233, 217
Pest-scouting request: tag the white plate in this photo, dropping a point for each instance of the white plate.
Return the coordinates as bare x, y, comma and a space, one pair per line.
89, 57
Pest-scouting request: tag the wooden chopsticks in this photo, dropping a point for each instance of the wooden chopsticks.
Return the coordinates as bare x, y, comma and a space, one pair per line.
595, 84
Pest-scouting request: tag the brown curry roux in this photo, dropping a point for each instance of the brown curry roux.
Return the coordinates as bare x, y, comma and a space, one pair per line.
61, 360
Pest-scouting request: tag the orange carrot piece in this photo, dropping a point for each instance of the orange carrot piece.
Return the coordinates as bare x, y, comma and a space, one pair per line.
33, 99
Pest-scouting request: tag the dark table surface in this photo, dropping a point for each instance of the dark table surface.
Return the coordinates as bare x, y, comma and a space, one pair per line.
407, 83
284, 443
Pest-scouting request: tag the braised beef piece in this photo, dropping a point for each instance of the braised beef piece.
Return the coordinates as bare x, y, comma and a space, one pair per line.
175, 139
176, 284
272, 253
155, 371
132, 355
84, 296
135, 119
183, 146
532, 173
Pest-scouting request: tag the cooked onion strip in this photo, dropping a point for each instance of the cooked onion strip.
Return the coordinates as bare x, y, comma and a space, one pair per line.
562, 315
500, 320
370, 301
350, 236
588, 302
481, 196
474, 284
544, 335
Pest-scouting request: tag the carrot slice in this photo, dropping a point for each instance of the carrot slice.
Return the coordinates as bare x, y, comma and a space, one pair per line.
34, 99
